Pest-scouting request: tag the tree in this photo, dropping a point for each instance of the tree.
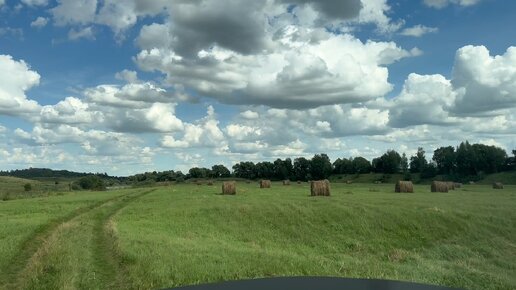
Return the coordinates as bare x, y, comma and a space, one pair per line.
466, 159
264, 170
343, 166
404, 163
360, 165
445, 159
283, 169
301, 168
197, 172
320, 166
245, 170
429, 171
390, 162
418, 162
27, 187
218, 171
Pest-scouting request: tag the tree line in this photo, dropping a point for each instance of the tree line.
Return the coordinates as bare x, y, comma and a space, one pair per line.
465, 160
471, 161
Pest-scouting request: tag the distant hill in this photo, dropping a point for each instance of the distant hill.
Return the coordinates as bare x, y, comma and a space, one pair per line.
32, 173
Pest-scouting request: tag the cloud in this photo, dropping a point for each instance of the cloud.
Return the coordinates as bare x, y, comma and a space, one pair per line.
9, 31
424, 99
39, 22
484, 83
71, 110
35, 2
16, 78
438, 4
418, 31
74, 12
86, 33
334, 9
204, 133
298, 74
133, 95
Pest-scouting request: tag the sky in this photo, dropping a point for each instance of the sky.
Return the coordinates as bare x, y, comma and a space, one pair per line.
128, 86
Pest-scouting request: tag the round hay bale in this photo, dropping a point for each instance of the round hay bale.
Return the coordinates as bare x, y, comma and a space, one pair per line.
286, 182
229, 187
451, 185
439, 186
497, 185
265, 183
404, 186
458, 185
320, 188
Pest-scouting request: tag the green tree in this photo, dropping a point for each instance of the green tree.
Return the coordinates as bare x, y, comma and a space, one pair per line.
360, 165
445, 159
404, 163
466, 159
418, 162
301, 168
390, 162
218, 171
197, 172
320, 166
245, 170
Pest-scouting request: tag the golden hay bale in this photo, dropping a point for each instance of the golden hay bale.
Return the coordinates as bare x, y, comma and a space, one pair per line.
404, 186
286, 182
320, 188
497, 185
451, 185
229, 187
439, 186
265, 183
457, 185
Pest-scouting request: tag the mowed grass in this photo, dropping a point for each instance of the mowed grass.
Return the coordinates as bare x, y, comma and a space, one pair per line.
188, 234
43, 240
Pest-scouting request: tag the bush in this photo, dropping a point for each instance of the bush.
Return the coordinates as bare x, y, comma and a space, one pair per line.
92, 182
27, 187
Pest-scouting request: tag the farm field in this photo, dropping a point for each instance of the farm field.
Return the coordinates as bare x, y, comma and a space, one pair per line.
151, 238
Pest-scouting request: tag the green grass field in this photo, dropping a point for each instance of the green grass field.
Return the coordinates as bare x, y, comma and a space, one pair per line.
151, 238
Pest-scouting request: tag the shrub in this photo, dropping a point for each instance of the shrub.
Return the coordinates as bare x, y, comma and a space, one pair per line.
27, 187
92, 182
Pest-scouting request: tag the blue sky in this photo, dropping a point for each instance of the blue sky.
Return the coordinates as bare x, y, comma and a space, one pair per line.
130, 86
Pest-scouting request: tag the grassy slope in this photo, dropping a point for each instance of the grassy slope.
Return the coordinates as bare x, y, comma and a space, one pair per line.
13, 187
188, 234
